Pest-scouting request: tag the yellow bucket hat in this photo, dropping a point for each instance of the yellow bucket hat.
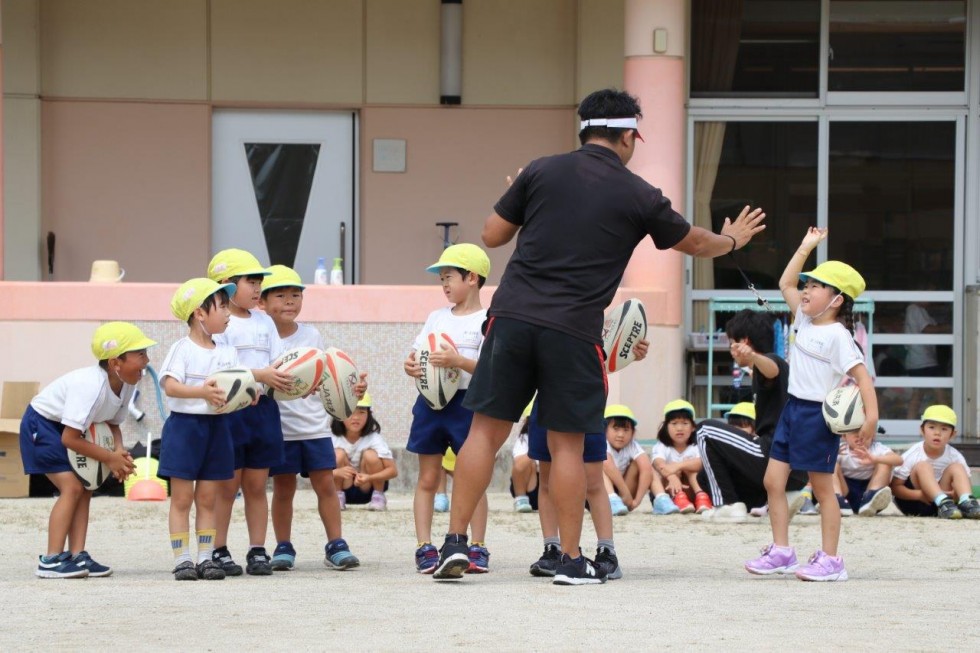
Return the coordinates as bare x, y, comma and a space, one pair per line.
620, 410
230, 263
839, 275
281, 276
679, 404
941, 414
365, 401
742, 409
113, 339
192, 294
466, 256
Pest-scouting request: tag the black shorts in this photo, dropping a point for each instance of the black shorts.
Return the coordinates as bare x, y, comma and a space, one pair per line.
519, 358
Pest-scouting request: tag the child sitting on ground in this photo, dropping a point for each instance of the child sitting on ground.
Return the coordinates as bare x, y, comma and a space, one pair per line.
865, 472
364, 460
676, 463
932, 470
627, 470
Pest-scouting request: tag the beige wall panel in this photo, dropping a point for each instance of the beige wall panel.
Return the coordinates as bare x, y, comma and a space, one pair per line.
21, 189
519, 53
20, 47
155, 49
127, 181
403, 51
287, 51
600, 46
457, 160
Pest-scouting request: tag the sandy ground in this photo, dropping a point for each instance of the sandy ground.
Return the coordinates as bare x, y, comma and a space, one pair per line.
915, 585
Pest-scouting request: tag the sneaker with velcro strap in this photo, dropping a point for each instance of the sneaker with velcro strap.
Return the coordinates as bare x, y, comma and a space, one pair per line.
222, 556
185, 571
970, 508
95, 570
948, 510
578, 571
338, 555
284, 557
257, 562
62, 565
209, 570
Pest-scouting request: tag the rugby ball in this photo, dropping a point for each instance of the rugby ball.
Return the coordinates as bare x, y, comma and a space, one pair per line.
624, 326
437, 385
90, 472
239, 386
305, 365
337, 384
843, 409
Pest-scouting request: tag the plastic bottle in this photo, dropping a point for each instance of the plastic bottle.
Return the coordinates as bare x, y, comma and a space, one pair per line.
337, 273
320, 276
736, 376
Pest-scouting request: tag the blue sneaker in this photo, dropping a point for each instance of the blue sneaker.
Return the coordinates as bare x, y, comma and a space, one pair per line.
284, 557
338, 556
479, 560
426, 559
59, 566
441, 503
662, 505
95, 570
618, 507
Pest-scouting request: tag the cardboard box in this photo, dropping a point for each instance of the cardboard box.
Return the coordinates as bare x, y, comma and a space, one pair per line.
14, 483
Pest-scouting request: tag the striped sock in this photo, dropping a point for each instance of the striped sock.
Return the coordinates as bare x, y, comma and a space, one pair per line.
205, 543
179, 544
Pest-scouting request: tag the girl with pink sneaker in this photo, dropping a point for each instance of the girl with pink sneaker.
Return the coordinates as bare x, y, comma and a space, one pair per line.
676, 463
823, 355
364, 460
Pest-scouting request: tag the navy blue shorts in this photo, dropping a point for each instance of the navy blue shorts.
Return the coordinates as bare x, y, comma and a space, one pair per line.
356, 495
305, 456
916, 508
537, 442
518, 358
41, 450
196, 448
434, 430
257, 434
802, 438
856, 487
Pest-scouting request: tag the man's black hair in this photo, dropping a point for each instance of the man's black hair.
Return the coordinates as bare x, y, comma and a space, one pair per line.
754, 325
607, 103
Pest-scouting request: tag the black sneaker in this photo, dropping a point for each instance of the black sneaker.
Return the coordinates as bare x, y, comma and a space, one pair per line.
258, 563
607, 561
578, 572
209, 570
185, 571
548, 562
970, 508
454, 558
948, 510
222, 557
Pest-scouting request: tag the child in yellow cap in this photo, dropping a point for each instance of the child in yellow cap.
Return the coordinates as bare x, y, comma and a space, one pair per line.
365, 463
676, 463
54, 424
932, 470
627, 467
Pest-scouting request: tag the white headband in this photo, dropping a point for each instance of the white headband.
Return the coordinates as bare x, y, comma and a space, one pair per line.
615, 123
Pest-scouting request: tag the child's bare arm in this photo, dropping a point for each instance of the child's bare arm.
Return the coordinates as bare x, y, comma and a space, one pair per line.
616, 478
209, 392
119, 461
790, 279
901, 492
644, 480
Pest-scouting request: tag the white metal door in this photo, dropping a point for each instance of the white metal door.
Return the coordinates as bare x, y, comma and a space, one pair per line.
283, 187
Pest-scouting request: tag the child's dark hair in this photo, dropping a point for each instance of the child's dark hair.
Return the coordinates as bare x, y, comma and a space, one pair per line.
620, 422
741, 422
664, 436
267, 291
526, 426
845, 315
607, 103
754, 326
104, 364
479, 280
370, 426
209, 303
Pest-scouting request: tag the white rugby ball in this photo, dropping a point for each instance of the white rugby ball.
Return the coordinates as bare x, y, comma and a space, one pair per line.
305, 365
337, 385
89, 471
437, 385
843, 409
624, 326
239, 386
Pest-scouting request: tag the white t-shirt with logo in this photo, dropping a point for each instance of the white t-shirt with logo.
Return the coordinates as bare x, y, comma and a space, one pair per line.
851, 467
822, 356
917, 453
191, 364
255, 337
464, 330
83, 397
304, 419
672, 455
623, 457
356, 449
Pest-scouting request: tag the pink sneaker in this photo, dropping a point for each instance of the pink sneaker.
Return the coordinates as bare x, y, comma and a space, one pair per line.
822, 567
774, 560
378, 501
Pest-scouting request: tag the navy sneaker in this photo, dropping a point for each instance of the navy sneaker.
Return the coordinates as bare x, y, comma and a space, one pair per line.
209, 570
338, 555
454, 558
608, 562
426, 559
578, 572
222, 556
185, 571
95, 570
257, 562
284, 557
548, 562
970, 508
59, 566
479, 560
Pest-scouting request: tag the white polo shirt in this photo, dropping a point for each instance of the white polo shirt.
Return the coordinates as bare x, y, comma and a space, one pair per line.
83, 397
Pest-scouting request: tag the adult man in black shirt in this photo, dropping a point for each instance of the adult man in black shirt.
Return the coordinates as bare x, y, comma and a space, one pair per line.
577, 218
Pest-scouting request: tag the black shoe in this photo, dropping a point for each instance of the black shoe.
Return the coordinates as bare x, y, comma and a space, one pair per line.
185, 571
948, 510
454, 558
258, 563
578, 572
222, 557
607, 561
970, 508
548, 562
209, 570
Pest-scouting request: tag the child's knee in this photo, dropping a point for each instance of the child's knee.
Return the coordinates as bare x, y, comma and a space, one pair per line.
342, 458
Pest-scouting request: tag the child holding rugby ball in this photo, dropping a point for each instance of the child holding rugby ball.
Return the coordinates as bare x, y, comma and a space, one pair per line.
53, 425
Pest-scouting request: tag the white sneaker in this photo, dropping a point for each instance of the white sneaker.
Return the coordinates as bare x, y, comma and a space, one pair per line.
761, 511
731, 513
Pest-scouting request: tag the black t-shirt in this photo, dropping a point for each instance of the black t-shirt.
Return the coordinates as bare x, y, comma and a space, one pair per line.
581, 216
770, 397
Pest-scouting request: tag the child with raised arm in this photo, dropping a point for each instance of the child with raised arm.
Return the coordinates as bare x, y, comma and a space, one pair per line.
627, 470
308, 447
196, 448
53, 425
934, 478
864, 472
676, 463
823, 354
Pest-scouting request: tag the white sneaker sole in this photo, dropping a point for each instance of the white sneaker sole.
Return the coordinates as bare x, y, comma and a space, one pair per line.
452, 568
840, 577
44, 573
561, 579
880, 501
